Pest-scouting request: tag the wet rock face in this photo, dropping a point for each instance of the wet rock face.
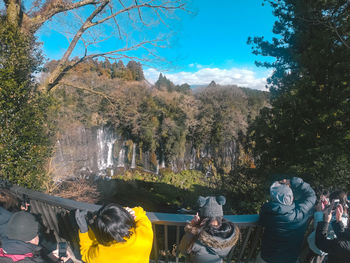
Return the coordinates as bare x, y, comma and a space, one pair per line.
82, 152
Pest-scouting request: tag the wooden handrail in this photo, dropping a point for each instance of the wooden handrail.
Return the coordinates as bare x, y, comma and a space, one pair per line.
155, 217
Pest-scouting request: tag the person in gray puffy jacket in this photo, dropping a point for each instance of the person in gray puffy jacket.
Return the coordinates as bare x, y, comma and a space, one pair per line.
209, 237
285, 219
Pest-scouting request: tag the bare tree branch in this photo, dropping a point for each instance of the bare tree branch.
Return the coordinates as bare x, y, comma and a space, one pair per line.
90, 90
134, 47
158, 9
51, 8
58, 72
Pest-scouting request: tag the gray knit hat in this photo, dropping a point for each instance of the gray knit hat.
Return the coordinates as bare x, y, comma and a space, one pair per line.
211, 206
22, 226
281, 193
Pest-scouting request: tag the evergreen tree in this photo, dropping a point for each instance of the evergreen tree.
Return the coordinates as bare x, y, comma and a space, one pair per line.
307, 128
24, 126
136, 70
164, 84
184, 88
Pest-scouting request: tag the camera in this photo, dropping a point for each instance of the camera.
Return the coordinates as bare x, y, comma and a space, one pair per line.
335, 204
25, 201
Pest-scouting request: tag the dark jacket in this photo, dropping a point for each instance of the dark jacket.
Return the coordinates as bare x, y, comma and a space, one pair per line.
338, 249
17, 247
4, 218
202, 247
285, 225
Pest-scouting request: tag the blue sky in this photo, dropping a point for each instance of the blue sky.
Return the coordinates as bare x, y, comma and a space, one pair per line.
208, 45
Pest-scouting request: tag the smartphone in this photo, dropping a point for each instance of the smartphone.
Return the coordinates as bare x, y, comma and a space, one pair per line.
62, 249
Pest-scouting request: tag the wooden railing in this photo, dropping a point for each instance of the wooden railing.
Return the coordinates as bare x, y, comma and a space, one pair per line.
55, 215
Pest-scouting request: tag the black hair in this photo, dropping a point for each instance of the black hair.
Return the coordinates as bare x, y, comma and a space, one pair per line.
112, 223
9, 201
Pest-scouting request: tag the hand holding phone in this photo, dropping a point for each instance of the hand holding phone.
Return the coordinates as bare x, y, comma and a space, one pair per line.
339, 212
62, 250
61, 254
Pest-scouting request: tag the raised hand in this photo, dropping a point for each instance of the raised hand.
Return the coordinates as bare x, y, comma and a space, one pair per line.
131, 212
339, 212
195, 219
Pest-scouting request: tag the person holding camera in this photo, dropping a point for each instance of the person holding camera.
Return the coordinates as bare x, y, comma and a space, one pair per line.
314, 254
209, 237
117, 234
285, 219
338, 249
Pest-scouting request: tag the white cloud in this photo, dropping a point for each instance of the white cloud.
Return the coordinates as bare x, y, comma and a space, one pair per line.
232, 76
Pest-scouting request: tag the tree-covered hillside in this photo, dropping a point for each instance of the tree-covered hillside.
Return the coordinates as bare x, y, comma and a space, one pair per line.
164, 119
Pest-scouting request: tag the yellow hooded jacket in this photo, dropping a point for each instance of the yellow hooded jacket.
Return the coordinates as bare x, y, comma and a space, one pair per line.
136, 249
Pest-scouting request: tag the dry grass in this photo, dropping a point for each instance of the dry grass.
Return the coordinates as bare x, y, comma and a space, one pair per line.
80, 190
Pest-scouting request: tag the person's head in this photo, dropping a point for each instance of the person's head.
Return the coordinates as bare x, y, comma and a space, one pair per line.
210, 209
8, 200
281, 193
23, 226
112, 223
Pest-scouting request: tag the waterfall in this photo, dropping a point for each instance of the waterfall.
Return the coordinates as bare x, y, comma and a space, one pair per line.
163, 162
84, 152
157, 169
110, 153
133, 159
59, 147
101, 164
193, 160
121, 157
105, 142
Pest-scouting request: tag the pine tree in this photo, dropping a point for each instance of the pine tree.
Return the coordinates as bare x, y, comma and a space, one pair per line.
307, 128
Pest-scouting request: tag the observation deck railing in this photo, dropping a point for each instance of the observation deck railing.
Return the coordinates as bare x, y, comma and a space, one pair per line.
57, 219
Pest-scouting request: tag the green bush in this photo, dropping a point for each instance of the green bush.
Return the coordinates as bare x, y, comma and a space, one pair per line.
25, 129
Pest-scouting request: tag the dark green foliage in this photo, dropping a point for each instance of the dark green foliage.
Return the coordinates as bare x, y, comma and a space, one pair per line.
136, 70
165, 84
117, 70
166, 192
24, 128
306, 130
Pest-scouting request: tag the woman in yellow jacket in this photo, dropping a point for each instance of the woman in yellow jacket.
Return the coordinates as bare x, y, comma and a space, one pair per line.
117, 234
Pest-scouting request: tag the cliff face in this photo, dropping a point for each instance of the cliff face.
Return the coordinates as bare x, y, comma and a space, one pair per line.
75, 153
82, 152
